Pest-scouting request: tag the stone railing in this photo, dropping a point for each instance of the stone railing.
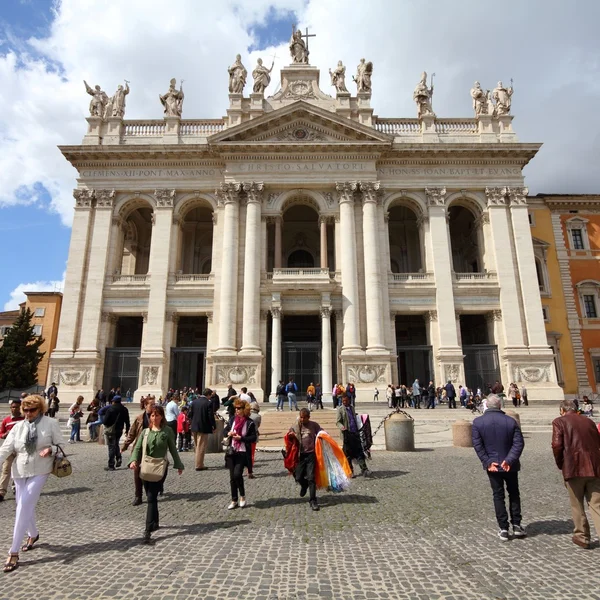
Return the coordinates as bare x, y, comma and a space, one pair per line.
487, 276
154, 128
301, 272
456, 126
128, 278
192, 277
398, 126
201, 128
412, 127
408, 277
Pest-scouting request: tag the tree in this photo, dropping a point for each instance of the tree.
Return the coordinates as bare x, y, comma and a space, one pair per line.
20, 354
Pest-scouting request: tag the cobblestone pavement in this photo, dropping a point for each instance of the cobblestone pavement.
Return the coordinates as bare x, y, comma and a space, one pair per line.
422, 528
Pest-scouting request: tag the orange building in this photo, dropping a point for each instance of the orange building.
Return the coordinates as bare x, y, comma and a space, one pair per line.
46, 307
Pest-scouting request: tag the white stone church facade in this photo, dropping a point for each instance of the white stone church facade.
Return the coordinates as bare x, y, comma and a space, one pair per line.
301, 236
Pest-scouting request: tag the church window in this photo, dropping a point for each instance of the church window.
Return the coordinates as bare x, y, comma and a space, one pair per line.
589, 303
577, 237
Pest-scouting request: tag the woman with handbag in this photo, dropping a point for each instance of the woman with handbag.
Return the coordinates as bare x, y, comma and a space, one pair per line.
34, 442
75, 415
241, 434
149, 455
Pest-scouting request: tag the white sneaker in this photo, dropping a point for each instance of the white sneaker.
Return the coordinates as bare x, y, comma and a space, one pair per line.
232, 505
242, 502
518, 531
503, 535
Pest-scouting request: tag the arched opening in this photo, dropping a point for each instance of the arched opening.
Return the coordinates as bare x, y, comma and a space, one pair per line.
300, 236
137, 237
466, 254
405, 242
197, 241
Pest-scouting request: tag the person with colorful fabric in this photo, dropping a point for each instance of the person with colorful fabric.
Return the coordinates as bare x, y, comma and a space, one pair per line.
7, 424
348, 424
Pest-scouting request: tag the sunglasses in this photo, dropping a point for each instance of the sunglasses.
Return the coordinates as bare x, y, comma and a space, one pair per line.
30, 410
239, 408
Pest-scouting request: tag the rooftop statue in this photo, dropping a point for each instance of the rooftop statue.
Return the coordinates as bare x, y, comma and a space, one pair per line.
298, 48
98, 102
502, 96
173, 100
363, 76
423, 96
481, 100
116, 105
338, 77
262, 77
237, 76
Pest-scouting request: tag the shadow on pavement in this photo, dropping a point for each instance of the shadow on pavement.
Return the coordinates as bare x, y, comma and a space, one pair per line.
550, 527
387, 474
68, 491
191, 496
67, 554
273, 502
337, 499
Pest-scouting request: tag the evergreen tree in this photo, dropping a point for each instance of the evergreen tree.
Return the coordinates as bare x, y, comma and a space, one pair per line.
20, 354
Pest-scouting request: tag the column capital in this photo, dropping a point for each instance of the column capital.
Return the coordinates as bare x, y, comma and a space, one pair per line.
276, 312
105, 198
457, 315
118, 221
209, 316
518, 196
346, 191
431, 315
254, 191
172, 316
164, 198
371, 191
494, 315
83, 198
435, 196
482, 219
145, 317
421, 220
496, 196
325, 312
109, 317
228, 193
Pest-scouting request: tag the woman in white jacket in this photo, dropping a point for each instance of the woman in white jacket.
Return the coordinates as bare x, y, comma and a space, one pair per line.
34, 442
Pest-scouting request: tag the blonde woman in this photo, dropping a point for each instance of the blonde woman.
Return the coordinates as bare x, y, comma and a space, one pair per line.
34, 443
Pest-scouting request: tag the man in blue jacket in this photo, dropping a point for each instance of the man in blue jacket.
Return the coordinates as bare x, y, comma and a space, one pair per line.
498, 441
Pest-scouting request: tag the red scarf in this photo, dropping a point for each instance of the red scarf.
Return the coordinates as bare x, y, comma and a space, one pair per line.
239, 429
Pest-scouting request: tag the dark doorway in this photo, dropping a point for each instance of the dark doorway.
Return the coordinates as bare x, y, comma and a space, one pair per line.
187, 357
415, 355
481, 363
122, 362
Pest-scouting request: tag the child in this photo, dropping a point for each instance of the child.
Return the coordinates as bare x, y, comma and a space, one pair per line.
183, 430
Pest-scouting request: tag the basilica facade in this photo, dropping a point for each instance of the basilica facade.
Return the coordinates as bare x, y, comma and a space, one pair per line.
301, 236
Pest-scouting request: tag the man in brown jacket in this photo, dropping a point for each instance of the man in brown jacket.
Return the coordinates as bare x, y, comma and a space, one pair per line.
576, 447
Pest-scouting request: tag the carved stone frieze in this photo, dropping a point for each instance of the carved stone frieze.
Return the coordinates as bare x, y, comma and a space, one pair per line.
540, 373
164, 198
299, 90
366, 373
105, 198
235, 374
71, 376
435, 196
150, 375
83, 198
518, 196
496, 196
451, 372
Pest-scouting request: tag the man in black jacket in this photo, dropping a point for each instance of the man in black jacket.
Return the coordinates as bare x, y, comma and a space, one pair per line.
203, 424
431, 395
450, 394
116, 418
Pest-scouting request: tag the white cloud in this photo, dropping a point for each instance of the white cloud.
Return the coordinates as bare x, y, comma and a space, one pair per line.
18, 294
550, 48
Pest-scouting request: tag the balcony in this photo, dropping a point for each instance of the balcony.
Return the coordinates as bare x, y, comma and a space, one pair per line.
487, 276
301, 278
127, 280
196, 281
410, 277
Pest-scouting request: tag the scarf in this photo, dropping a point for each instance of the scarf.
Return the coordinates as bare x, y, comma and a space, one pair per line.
239, 428
32, 435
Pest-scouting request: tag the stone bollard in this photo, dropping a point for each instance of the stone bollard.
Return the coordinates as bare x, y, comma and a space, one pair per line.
515, 415
213, 444
399, 433
462, 434
100, 431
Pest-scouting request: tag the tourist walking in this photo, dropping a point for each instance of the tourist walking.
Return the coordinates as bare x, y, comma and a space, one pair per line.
431, 395
93, 409
116, 418
281, 395
171, 414
7, 424
389, 395
75, 415
291, 390
141, 422
450, 394
319, 392
351, 393
375, 395
255, 416
34, 442
310, 395
202, 424
241, 434
154, 443
347, 422
416, 394
513, 393
524, 396
184, 435
576, 447
498, 442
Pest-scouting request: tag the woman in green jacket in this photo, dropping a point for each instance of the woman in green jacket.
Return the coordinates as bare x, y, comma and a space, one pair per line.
160, 438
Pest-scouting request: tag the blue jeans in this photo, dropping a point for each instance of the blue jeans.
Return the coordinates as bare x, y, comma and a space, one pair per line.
292, 399
280, 402
75, 427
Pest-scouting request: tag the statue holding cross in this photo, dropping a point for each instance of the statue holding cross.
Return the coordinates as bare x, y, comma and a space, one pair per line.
298, 47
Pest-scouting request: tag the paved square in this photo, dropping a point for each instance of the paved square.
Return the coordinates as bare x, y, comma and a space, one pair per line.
423, 528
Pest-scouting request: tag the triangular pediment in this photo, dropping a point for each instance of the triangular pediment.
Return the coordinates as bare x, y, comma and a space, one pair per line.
299, 123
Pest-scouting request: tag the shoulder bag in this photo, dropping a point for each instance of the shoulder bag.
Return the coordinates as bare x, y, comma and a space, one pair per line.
61, 467
151, 469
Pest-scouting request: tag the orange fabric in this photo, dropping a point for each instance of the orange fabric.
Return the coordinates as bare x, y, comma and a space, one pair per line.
292, 452
321, 478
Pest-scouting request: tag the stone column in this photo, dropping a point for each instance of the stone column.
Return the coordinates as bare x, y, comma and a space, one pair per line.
326, 374
265, 244
276, 315
505, 267
323, 228
153, 358
73, 292
229, 268
351, 338
278, 250
532, 304
96, 273
375, 333
252, 255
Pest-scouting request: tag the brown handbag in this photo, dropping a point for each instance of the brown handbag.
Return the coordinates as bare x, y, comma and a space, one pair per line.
61, 467
151, 469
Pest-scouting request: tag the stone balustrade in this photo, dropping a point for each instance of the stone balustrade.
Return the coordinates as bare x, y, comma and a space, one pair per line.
202, 128
456, 126
192, 277
487, 276
399, 126
155, 128
410, 277
129, 278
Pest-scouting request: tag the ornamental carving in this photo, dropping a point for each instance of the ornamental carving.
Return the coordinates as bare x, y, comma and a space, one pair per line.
164, 198
301, 134
431, 315
452, 373
366, 373
496, 196
150, 376
71, 376
346, 191
105, 198
272, 198
276, 312
83, 198
329, 199
533, 373
325, 312
235, 375
228, 193
371, 191
518, 196
299, 89
435, 196
253, 190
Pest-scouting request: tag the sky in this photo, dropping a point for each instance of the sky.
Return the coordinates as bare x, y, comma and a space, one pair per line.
550, 48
